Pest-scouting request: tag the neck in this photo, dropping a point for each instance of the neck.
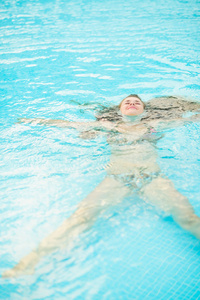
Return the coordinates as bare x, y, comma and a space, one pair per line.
132, 119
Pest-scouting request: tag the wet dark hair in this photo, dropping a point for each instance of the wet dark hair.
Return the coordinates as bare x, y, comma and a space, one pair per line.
169, 107
111, 114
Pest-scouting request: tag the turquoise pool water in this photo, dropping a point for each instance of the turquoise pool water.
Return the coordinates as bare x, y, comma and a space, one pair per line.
54, 54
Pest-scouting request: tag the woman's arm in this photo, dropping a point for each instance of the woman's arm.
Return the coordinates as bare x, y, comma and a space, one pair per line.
58, 123
91, 125
160, 124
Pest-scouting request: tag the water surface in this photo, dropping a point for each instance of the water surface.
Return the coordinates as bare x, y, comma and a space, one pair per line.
54, 54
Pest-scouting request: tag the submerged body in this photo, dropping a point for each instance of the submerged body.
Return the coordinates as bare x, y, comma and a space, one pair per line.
132, 168
133, 164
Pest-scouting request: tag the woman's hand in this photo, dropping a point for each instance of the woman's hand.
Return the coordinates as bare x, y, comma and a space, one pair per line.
195, 118
88, 135
24, 120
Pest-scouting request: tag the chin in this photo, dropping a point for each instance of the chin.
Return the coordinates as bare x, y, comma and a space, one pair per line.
134, 113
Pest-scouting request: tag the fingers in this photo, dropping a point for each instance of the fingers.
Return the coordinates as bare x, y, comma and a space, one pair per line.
23, 120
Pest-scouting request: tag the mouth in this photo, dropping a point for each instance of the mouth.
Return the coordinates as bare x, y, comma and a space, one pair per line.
132, 107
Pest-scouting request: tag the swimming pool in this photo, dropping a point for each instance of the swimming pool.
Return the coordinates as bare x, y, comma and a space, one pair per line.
54, 54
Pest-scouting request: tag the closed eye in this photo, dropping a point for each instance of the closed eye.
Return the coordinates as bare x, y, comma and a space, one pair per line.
128, 102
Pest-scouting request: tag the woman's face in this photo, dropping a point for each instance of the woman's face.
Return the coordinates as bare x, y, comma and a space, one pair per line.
132, 106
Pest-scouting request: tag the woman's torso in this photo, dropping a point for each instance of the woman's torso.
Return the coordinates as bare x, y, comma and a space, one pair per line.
132, 150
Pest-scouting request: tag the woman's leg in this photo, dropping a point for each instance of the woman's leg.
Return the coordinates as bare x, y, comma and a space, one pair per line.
109, 192
162, 193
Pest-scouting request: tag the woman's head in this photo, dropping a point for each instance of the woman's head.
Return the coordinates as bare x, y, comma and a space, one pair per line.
114, 113
132, 105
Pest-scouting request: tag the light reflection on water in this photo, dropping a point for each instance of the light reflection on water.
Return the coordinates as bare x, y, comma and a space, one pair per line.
93, 52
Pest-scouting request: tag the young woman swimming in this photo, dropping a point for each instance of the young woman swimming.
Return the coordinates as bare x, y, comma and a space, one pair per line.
132, 129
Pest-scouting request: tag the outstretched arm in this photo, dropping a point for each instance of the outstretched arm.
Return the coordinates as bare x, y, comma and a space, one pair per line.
59, 123
109, 192
160, 124
98, 125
